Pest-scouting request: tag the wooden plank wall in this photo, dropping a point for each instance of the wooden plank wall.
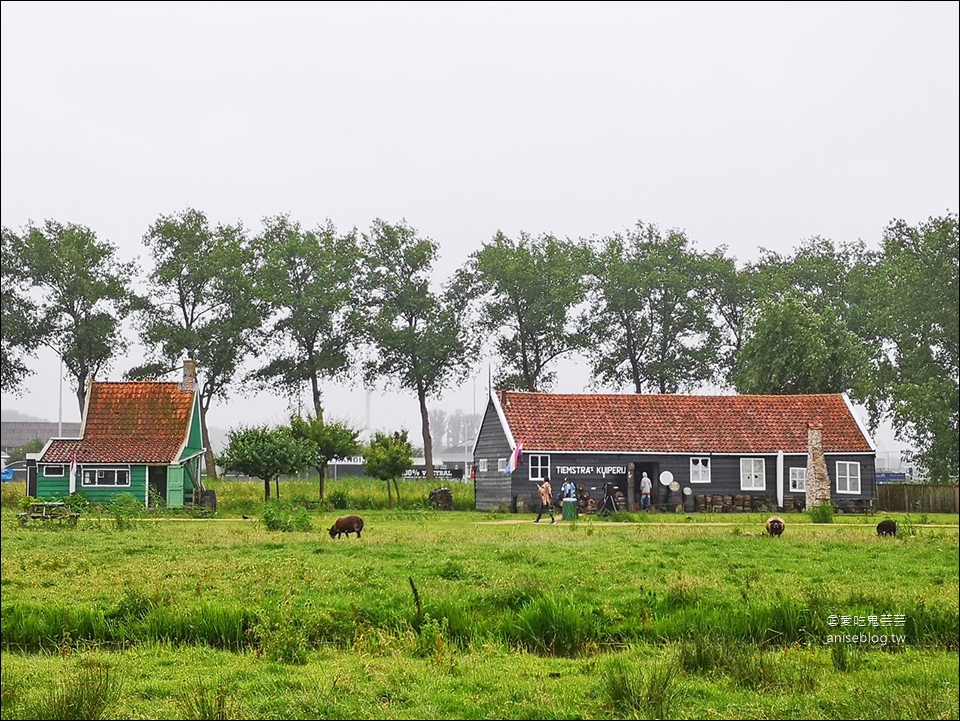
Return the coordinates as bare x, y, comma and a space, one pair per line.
919, 497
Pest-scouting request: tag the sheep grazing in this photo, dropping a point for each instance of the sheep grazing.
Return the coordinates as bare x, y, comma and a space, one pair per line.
887, 527
346, 525
775, 525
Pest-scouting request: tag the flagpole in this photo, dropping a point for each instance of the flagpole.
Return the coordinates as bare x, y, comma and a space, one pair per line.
60, 415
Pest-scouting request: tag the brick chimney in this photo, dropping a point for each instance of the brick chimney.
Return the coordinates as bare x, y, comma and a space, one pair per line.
189, 382
818, 481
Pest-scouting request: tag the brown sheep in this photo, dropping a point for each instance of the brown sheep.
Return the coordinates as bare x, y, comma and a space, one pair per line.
346, 525
775, 525
887, 527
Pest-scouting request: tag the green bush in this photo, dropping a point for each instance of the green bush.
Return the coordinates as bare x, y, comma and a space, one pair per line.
822, 512
127, 512
278, 517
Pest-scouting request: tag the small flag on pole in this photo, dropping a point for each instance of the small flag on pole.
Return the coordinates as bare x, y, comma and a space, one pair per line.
515, 458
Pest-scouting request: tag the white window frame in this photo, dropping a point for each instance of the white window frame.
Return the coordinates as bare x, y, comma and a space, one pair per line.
539, 466
702, 466
501, 465
847, 477
48, 474
749, 474
798, 479
91, 477
483, 465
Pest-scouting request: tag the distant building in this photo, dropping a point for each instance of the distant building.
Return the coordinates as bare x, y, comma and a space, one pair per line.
16, 434
136, 437
701, 452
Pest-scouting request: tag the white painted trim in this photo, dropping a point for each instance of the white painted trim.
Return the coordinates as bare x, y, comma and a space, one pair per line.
503, 423
779, 479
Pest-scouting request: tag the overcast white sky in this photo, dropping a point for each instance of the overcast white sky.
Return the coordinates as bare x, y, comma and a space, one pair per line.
748, 125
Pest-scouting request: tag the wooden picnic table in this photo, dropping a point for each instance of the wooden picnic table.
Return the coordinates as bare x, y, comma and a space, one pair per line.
48, 511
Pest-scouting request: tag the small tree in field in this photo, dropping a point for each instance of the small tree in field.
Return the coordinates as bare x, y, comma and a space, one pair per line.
387, 457
331, 440
266, 453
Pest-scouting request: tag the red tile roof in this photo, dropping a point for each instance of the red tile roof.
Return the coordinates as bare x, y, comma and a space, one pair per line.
132, 422
679, 424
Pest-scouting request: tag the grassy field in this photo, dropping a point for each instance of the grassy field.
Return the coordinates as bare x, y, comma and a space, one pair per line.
472, 615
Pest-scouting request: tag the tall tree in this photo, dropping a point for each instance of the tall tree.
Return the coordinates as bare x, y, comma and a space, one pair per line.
732, 296
20, 333
266, 453
331, 440
792, 348
528, 291
387, 456
86, 294
649, 324
201, 305
308, 279
818, 270
439, 426
420, 338
916, 317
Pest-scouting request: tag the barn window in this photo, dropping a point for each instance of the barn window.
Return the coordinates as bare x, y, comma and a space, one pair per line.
111, 477
848, 477
751, 475
501, 464
539, 467
53, 471
483, 465
699, 470
798, 479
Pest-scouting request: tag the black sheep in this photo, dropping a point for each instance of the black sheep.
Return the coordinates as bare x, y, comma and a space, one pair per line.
887, 527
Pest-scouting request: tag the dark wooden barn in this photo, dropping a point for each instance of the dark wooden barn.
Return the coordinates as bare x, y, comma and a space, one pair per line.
722, 453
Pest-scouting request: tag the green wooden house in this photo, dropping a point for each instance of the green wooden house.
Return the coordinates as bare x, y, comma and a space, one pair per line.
141, 438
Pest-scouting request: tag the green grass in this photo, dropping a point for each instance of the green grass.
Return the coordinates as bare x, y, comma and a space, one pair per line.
471, 615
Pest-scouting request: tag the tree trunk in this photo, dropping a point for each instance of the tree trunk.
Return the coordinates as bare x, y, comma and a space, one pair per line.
397, 487
322, 471
389, 495
266, 489
425, 428
208, 460
81, 390
315, 386
277, 484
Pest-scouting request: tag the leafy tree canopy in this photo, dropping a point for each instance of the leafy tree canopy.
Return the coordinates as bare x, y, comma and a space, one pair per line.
308, 279
20, 332
914, 303
267, 453
649, 324
529, 290
331, 440
793, 349
85, 294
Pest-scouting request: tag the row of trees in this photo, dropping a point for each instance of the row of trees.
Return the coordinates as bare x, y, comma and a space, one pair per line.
268, 453
647, 309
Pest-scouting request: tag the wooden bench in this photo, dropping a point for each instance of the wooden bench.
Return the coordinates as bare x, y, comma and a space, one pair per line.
49, 511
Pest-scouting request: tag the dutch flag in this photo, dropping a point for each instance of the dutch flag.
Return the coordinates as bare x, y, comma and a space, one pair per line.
515, 458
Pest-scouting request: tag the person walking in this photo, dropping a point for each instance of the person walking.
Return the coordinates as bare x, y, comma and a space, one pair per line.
645, 488
546, 499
